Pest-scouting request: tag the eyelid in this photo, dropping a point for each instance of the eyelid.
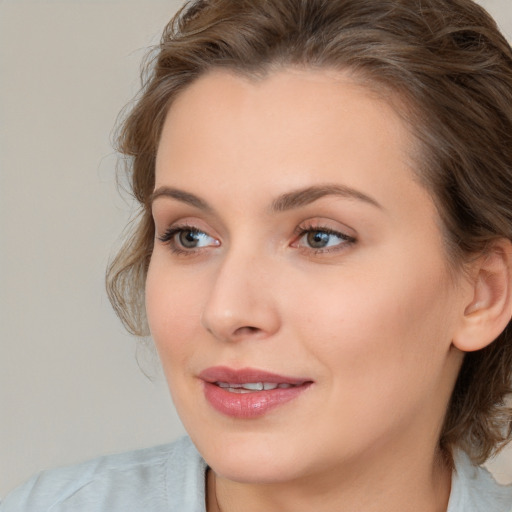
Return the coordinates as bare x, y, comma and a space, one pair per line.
172, 230
326, 224
166, 221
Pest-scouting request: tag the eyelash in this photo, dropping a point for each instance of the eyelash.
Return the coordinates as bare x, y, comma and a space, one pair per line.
169, 238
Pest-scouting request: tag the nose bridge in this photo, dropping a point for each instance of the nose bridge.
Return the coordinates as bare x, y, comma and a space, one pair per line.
240, 302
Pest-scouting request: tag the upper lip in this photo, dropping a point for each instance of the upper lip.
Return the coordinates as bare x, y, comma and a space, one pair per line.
245, 375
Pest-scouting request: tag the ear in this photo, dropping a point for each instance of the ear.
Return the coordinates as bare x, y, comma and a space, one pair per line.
489, 309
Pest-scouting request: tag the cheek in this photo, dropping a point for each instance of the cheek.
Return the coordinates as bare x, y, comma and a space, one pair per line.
173, 312
384, 327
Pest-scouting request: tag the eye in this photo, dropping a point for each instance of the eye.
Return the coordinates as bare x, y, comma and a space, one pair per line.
322, 239
187, 239
191, 239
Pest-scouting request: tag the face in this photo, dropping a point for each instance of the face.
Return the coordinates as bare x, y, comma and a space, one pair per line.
296, 252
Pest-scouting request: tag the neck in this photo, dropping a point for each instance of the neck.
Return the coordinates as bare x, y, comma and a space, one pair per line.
377, 488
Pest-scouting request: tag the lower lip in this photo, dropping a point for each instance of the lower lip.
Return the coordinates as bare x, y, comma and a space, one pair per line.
249, 405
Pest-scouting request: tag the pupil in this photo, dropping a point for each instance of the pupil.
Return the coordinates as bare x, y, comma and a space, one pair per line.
188, 239
318, 239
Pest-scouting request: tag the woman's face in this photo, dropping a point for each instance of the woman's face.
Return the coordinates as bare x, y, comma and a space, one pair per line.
296, 251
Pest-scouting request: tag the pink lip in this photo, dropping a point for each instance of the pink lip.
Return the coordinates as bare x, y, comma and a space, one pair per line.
248, 405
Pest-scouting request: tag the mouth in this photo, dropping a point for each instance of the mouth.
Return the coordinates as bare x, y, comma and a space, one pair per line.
249, 393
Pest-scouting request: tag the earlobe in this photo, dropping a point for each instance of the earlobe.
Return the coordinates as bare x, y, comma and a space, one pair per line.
490, 309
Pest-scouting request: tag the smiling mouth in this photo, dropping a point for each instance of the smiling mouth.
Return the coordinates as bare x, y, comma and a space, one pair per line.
249, 393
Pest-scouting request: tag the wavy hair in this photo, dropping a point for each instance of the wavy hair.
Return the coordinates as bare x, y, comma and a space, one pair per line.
451, 70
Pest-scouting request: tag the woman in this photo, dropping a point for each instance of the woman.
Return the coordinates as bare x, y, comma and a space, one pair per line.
323, 260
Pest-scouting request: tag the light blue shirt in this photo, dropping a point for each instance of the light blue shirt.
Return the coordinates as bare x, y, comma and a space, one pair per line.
171, 478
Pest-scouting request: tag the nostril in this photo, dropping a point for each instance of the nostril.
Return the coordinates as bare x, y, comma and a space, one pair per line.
246, 330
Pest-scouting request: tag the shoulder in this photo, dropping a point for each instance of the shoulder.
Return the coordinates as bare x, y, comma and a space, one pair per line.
150, 479
475, 490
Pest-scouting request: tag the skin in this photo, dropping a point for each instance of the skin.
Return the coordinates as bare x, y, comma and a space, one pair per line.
369, 319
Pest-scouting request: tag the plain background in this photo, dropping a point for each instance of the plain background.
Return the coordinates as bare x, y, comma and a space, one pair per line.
70, 384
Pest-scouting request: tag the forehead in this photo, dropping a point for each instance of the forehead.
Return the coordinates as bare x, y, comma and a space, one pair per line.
310, 92
294, 124
280, 111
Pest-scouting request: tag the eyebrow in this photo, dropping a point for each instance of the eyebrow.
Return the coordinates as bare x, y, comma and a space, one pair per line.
308, 195
180, 195
284, 202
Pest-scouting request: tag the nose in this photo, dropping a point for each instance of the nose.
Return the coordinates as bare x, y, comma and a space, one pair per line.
242, 303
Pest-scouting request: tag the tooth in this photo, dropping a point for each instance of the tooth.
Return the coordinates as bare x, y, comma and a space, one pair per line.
249, 387
226, 385
253, 386
239, 391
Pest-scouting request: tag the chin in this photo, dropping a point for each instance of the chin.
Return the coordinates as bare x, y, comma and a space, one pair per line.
251, 458
251, 471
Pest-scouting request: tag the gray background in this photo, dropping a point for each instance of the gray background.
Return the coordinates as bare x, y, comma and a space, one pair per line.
70, 384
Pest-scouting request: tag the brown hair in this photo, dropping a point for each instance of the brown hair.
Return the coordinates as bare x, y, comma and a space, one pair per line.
445, 59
